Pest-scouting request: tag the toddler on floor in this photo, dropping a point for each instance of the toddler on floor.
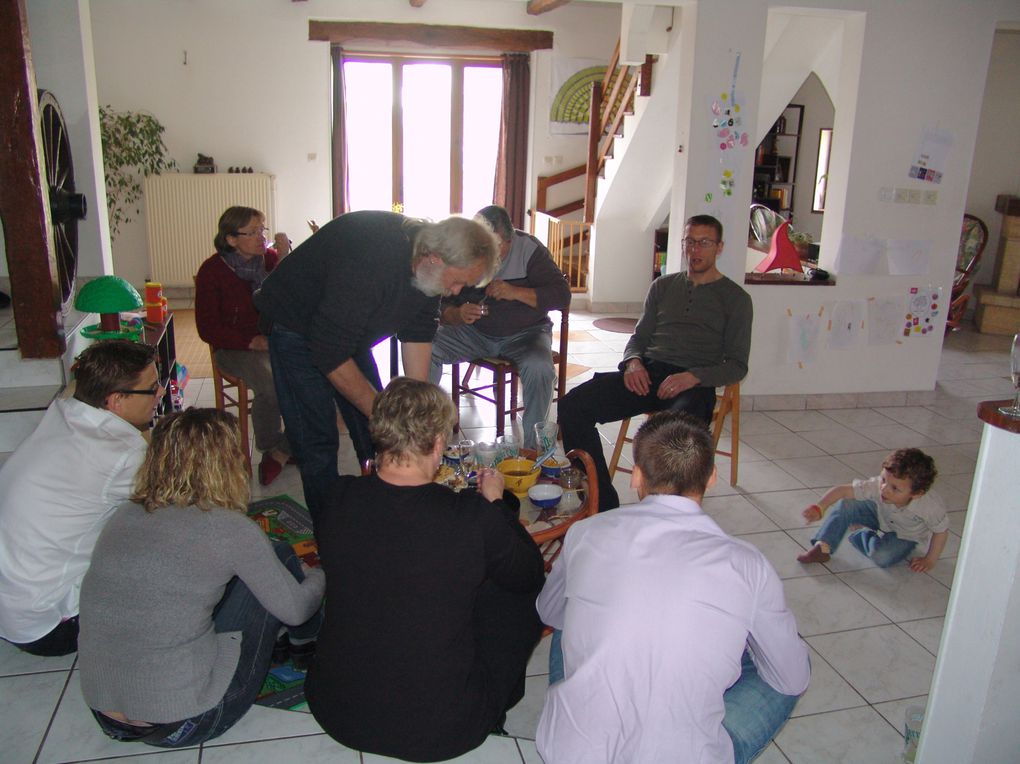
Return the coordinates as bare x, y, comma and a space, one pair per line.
888, 515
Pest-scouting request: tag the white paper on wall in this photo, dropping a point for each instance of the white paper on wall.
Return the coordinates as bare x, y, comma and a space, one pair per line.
803, 332
885, 319
846, 326
932, 152
923, 308
860, 255
908, 257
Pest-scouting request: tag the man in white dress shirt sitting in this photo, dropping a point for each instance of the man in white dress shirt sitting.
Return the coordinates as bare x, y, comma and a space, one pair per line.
677, 644
60, 486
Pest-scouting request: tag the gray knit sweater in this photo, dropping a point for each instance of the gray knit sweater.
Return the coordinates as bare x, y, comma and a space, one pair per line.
147, 646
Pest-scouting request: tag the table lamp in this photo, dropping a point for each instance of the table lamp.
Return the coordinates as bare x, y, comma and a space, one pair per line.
782, 253
108, 296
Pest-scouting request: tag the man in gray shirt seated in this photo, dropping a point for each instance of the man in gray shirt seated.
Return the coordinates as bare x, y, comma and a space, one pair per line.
508, 318
694, 335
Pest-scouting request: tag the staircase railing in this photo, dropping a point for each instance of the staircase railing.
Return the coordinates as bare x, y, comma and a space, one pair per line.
611, 100
568, 245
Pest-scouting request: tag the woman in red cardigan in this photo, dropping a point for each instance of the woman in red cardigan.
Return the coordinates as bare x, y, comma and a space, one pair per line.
228, 321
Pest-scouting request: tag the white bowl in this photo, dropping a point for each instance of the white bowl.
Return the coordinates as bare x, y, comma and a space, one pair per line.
545, 495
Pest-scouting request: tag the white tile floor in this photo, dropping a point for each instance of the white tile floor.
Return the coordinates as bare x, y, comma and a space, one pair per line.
873, 634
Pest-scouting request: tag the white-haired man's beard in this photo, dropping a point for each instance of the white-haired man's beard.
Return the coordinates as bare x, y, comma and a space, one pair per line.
428, 278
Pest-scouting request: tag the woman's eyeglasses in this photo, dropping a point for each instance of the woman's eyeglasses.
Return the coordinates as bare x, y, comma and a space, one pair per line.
257, 232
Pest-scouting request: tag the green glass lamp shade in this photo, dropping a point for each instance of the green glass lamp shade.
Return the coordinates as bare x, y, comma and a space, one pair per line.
108, 296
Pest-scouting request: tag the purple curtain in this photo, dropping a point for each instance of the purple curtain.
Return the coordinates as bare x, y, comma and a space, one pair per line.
510, 187
341, 186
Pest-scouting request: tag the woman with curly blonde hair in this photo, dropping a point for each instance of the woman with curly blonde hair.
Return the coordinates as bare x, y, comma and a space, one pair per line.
181, 606
430, 594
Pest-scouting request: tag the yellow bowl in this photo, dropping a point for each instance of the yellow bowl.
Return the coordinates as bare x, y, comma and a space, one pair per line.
518, 476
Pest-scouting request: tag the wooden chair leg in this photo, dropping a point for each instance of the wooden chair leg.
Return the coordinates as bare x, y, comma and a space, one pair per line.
621, 438
499, 376
455, 384
735, 437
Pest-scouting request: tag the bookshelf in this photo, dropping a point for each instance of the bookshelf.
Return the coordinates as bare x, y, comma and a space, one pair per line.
775, 162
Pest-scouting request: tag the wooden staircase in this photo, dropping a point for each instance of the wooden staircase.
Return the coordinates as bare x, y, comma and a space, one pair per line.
611, 99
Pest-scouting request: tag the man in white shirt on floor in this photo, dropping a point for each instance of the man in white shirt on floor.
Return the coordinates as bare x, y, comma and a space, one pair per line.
60, 486
677, 644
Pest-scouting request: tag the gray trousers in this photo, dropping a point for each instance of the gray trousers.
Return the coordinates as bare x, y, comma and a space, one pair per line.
253, 367
530, 350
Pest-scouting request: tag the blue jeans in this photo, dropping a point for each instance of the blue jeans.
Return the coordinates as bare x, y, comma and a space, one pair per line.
884, 550
239, 610
754, 711
308, 403
530, 350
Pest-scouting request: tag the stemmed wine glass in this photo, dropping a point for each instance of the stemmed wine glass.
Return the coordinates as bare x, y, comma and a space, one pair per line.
1014, 367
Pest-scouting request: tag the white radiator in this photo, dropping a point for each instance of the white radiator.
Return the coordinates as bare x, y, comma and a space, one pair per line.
181, 213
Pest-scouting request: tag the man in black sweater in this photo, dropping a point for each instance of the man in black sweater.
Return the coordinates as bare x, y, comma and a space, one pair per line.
359, 279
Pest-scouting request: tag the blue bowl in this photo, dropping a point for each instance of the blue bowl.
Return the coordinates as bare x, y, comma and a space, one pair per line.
552, 466
545, 495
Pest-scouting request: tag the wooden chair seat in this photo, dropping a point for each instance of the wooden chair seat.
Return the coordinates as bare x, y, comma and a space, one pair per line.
728, 405
231, 394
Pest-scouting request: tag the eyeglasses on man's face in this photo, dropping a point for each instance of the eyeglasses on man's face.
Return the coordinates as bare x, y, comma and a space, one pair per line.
689, 243
154, 390
262, 232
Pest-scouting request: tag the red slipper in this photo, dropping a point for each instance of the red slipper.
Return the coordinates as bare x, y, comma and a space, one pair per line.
269, 470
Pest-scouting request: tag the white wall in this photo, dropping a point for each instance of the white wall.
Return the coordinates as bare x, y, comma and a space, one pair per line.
996, 168
906, 83
255, 92
818, 113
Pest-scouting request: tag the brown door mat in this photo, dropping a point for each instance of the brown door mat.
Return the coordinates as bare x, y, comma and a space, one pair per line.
621, 325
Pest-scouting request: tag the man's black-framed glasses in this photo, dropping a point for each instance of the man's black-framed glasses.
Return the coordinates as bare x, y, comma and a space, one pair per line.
698, 243
160, 385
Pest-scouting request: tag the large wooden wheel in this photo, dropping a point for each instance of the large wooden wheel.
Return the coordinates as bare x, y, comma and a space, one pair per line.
66, 206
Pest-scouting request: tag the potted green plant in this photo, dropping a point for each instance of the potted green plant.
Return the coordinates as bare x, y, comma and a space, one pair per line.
801, 240
132, 147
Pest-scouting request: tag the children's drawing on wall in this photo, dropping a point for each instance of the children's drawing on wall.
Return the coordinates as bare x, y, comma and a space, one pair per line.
860, 255
908, 257
923, 308
803, 331
728, 133
846, 324
885, 319
571, 87
932, 151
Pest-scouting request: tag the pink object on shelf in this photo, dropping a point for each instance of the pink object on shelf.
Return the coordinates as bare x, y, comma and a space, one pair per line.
782, 253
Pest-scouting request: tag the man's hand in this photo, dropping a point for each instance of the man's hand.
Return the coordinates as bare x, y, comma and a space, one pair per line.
259, 342
922, 564
635, 377
470, 312
500, 290
675, 384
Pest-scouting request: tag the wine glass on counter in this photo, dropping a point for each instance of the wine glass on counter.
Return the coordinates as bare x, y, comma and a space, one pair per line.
1014, 367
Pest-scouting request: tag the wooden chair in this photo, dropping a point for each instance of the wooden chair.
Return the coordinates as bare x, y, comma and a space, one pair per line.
504, 371
728, 405
973, 238
550, 540
231, 394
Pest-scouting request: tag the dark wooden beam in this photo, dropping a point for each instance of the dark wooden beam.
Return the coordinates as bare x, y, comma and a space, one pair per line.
536, 7
24, 195
431, 36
